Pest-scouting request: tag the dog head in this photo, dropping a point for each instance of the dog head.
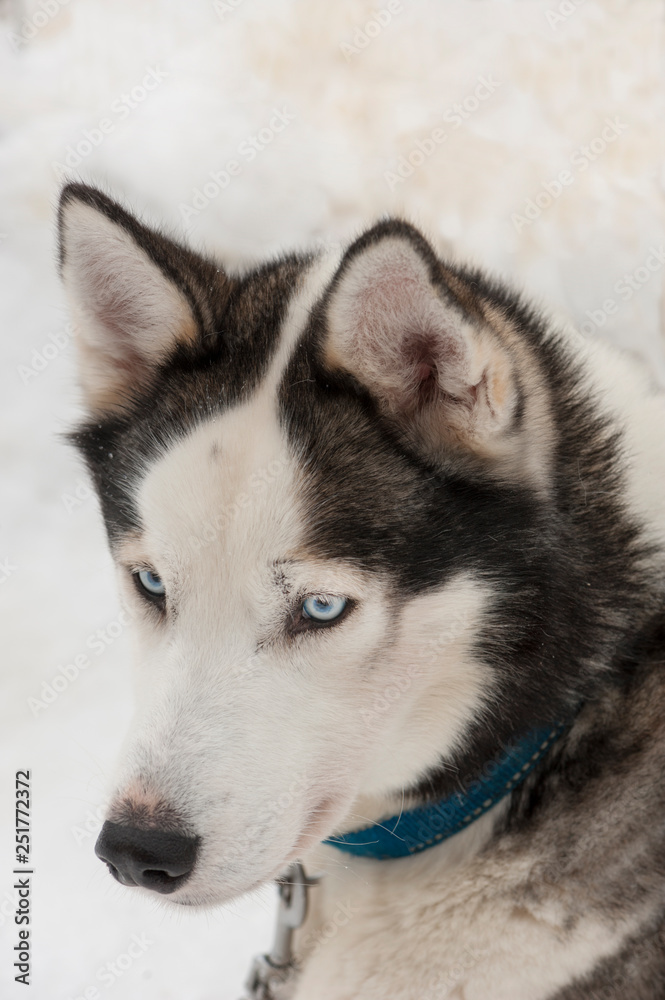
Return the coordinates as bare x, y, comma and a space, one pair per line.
343, 496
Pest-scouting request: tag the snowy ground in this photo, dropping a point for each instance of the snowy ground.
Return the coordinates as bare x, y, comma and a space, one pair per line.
535, 89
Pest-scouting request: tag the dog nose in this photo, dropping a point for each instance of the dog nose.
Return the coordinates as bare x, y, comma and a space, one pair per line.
155, 859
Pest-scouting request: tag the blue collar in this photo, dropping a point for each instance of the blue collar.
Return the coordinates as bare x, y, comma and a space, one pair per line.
417, 829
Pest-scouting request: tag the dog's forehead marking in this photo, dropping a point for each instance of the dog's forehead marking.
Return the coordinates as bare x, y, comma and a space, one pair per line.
184, 492
234, 473
298, 313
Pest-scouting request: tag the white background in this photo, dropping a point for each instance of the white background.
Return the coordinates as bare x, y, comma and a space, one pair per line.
359, 104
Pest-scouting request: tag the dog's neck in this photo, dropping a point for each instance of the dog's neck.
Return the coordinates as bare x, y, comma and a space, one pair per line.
375, 830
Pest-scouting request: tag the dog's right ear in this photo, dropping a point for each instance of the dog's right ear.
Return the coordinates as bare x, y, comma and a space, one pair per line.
135, 295
437, 370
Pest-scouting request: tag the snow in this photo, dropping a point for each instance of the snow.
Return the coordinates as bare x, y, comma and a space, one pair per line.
534, 93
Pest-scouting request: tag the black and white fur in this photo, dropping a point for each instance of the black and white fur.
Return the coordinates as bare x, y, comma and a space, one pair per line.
485, 488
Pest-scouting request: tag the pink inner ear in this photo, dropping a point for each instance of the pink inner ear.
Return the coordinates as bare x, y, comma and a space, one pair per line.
424, 371
434, 365
420, 368
391, 326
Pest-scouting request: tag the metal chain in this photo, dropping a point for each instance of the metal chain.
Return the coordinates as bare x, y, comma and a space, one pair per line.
273, 971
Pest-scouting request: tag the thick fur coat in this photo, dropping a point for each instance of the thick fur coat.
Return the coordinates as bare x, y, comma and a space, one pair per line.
481, 490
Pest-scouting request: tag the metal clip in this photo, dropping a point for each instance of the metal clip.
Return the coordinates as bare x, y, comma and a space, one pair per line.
274, 970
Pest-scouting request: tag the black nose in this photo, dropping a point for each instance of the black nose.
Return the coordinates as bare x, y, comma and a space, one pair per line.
154, 859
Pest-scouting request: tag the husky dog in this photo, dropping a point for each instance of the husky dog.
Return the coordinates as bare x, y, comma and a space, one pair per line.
393, 544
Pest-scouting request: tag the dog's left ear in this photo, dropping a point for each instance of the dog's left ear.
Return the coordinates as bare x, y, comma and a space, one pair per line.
399, 325
136, 295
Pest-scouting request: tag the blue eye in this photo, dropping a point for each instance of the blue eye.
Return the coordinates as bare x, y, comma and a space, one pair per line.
150, 583
323, 607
